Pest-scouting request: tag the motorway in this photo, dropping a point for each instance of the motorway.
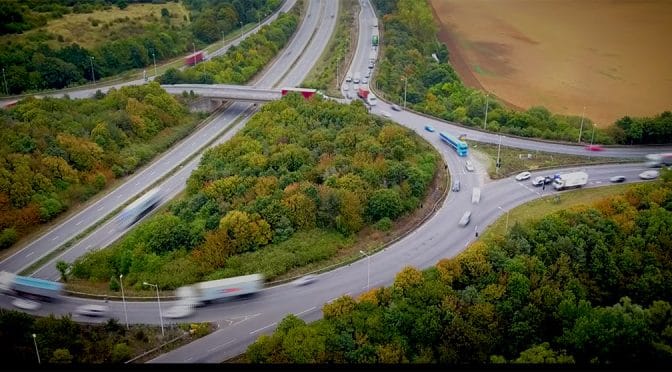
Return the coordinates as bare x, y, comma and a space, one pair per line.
241, 322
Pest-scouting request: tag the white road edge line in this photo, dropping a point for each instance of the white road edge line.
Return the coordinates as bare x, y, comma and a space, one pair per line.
305, 311
221, 345
262, 328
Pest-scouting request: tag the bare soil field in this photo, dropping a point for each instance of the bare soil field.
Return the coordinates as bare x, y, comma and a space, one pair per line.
610, 56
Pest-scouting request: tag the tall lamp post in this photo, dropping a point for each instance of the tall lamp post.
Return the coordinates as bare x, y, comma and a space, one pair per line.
499, 147
159, 301
241, 30
36, 351
507, 218
368, 269
485, 118
4, 79
405, 86
154, 58
93, 75
123, 298
583, 113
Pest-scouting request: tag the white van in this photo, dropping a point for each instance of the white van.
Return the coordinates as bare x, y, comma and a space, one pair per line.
348, 79
356, 78
371, 100
466, 217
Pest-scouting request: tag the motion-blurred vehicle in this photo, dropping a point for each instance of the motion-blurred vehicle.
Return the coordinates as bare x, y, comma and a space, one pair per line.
26, 304
594, 148
396, 107
523, 176
92, 310
205, 292
180, 310
538, 181
429, 128
140, 207
26, 286
305, 280
649, 175
466, 217
385, 114
468, 166
617, 179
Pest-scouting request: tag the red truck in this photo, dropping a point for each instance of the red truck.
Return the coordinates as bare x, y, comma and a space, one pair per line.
194, 58
305, 92
363, 93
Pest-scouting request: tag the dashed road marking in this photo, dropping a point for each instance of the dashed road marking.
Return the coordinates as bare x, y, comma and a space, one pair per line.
262, 328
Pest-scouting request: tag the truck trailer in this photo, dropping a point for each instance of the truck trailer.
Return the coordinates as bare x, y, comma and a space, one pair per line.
11, 283
570, 180
205, 292
194, 58
363, 93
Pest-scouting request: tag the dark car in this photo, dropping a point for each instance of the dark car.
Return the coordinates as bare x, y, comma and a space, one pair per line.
617, 179
456, 185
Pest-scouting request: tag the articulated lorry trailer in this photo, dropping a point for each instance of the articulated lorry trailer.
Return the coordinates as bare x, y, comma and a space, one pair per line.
202, 293
570, 180
11, 283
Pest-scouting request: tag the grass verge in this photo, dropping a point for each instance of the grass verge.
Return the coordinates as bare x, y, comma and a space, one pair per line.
515, 160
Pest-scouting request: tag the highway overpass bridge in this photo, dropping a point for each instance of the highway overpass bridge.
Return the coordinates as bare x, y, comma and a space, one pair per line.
227, 92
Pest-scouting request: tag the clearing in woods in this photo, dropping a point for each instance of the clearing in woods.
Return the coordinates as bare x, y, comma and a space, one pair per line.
92, 29
611, 57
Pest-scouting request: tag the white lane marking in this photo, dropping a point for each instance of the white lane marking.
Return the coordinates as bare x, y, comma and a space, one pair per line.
118, 196
99, 209
89, 246
262, 328
221, 346
137, 183
54, 238
30, 254
305, 311
79, 223
190, 358
152, 173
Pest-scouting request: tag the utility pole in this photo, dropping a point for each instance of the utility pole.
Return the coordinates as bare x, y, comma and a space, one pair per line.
405, 87
485, 119
5, 80
93, 75
154, 58
583, 113
499, 148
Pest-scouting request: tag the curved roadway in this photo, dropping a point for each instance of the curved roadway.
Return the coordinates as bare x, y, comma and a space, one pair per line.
241, 322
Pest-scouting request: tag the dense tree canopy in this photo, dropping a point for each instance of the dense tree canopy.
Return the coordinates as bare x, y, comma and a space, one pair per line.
242, 62
299, 167
56, 152
591, 285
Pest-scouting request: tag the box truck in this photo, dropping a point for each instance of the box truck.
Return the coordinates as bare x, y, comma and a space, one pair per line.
570, 180
202, 293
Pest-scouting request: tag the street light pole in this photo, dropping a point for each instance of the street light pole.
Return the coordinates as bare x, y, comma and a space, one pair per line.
507, 218
93, 75
154, 58
5, 80
405, 86
36, 351
581, 130
159, 301
241, 30
123, 298
368, 269
485, 119
499, 148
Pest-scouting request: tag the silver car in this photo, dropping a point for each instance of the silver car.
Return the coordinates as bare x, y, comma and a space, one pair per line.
92, 310
466, 217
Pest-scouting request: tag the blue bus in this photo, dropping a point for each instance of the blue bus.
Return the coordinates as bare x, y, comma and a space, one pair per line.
459, 146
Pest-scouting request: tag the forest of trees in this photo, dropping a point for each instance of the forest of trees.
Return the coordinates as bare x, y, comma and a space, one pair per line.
58, 152
242, 62
587, 285
301, 172
61, 340
34, 64
434, 88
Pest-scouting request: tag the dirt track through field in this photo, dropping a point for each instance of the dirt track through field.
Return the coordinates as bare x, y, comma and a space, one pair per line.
610, 56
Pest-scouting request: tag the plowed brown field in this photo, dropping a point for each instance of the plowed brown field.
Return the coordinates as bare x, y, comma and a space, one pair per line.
612, 57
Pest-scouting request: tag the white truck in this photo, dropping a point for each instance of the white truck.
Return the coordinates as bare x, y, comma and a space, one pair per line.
570, 180
202, 293
476, 195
